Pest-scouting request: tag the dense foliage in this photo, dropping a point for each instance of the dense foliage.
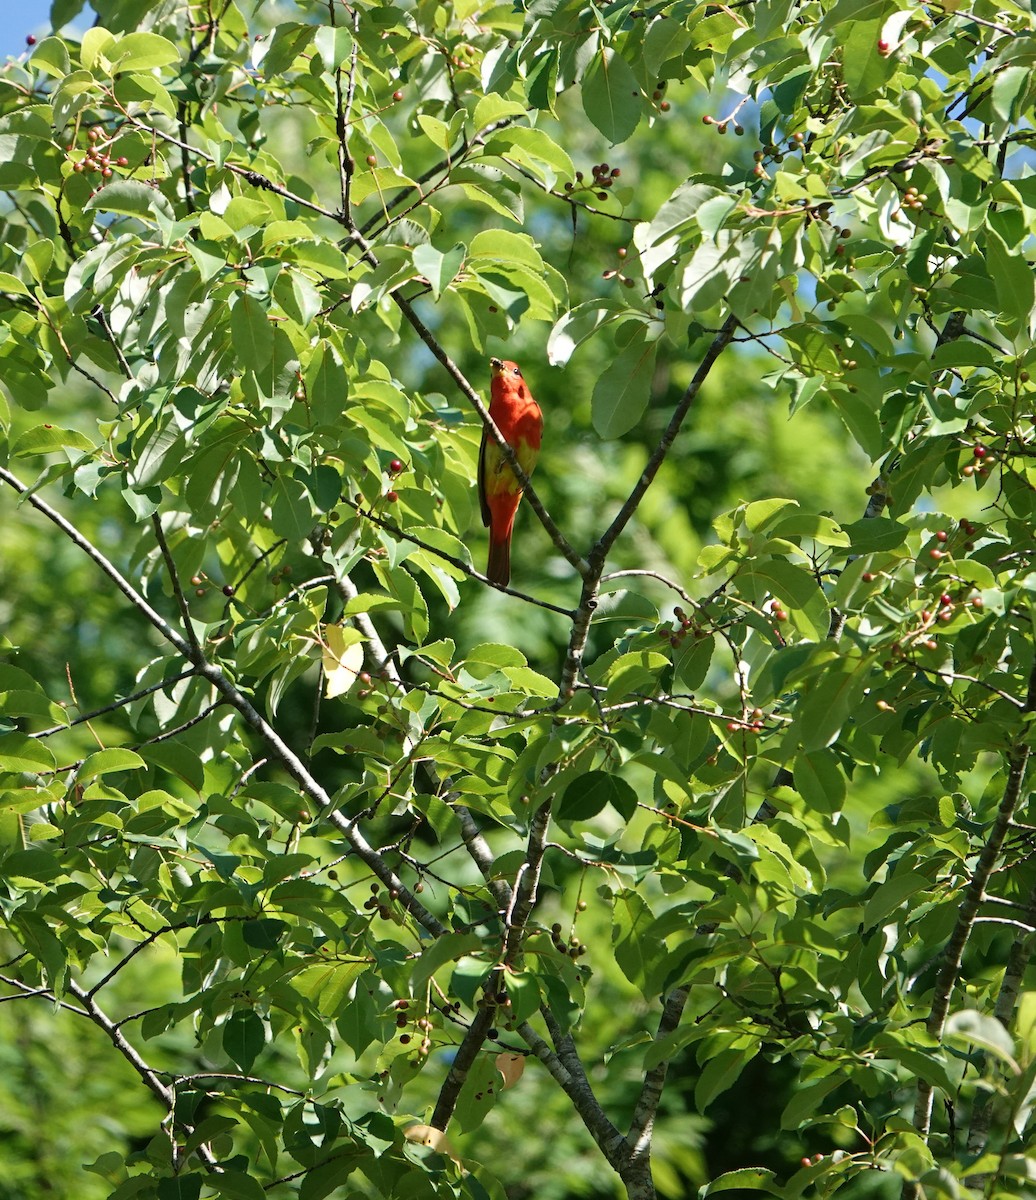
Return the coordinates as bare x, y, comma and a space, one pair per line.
699, 858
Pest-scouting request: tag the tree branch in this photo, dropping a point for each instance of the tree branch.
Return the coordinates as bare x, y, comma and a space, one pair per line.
974, 894
237, 699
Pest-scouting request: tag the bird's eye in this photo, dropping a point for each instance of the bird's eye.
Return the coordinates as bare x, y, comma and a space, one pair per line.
518, 373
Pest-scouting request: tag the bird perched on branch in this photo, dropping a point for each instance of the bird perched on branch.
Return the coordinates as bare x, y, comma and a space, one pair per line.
519, 419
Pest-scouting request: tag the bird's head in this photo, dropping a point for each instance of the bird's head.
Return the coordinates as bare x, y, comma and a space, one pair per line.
505, 368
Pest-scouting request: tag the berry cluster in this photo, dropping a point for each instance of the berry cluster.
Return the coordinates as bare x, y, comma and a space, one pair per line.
97, 160
984, 459
603, 177
574, 948
422, 1027
686, 626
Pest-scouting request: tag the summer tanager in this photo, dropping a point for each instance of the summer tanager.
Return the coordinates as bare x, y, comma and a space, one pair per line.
519, 419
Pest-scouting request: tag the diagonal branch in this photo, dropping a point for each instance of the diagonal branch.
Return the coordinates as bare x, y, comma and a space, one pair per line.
608, 538
974, 894
238, 700
639, 1136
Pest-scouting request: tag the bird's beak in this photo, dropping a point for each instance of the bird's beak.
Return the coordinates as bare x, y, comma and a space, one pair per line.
497, 364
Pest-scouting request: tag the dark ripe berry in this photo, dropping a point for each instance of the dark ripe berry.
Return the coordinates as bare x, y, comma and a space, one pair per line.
867, 577
568, 186
228, 589
30, 39
122, 161
664, 106
979, 451
1023, 376
945, 599
392, 497
404, 1038
579, 176
401, 1022
397, 96
395, 466
883, 46
941, 535
602, 195
721, 127
419, 888
616, 172
372, 160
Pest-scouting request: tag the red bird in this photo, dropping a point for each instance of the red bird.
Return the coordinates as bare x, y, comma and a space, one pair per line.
519, 419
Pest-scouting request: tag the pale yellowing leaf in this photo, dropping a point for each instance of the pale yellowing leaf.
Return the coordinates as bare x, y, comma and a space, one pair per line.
342, 657
434, 1139
511, 1066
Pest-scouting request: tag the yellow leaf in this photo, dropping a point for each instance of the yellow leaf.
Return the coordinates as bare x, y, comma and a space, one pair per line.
511, 1067
342, 656
435, 1139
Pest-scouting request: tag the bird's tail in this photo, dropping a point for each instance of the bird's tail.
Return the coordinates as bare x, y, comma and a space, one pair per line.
498, 568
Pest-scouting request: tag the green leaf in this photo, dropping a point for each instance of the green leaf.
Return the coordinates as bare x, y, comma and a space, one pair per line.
819, 781
752, 1179
131, 198
244, 1036
252, 333
589, 794
439, 268
611, 96
48, 439
443, 950
236, 1186
105, 762
623, 389
141, 52
1013, 278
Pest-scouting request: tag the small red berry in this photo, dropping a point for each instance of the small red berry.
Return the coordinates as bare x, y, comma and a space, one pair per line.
372, 160
392, 497
977, 602
30, 40
395, 466
979, 451
664, 106
936, 554
883, 46
867, 577
945, 599
397, 96
122, 161
941, 535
